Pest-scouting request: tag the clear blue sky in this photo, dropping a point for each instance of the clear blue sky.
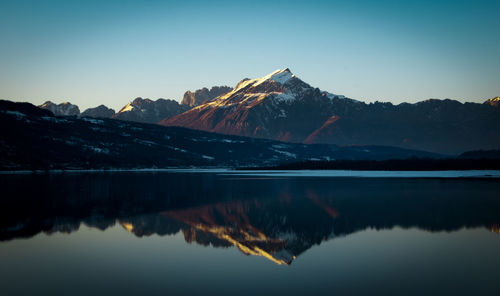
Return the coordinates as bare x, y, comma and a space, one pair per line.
93, 52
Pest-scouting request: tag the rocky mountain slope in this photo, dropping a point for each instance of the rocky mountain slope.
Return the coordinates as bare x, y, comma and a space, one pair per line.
280, 106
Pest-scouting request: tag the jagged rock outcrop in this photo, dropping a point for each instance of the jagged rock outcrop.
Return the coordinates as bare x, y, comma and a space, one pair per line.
200, 96
149, 111
63, 109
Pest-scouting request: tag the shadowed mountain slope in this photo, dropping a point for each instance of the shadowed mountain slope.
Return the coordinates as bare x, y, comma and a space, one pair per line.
35, 139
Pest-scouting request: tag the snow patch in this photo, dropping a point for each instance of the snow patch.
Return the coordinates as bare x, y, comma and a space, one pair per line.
71, 143
144, 142
177, 149
231, 141
96, 149
333, 96
17, 114
282, 113
92, 120
280, 146
278, 76
285, 97
53, 119
286, 153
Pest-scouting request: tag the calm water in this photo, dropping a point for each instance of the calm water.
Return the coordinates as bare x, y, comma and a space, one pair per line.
218, 234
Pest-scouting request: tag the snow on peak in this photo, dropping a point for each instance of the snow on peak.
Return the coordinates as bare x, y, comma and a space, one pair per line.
279, 76
281, 86
333, 96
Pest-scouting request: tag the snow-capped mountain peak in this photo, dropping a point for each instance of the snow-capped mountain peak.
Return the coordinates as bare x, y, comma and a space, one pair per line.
261, 107
279, 76
281, 85
278, 87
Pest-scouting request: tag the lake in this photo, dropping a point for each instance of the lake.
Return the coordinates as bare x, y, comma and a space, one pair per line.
248, 233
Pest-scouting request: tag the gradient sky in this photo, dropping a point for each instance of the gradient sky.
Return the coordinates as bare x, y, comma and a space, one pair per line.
109, 52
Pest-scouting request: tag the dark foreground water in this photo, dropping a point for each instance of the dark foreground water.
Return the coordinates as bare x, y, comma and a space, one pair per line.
217, 234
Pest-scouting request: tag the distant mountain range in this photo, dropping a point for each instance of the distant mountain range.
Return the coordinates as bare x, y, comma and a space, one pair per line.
36, 139
282, 107
141, 110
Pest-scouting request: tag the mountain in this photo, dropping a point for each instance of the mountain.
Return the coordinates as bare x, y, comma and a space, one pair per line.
68, 109
63, 109
149, 111
271, 107
493, 101
36, 139
280, 106
193, 99
100, 111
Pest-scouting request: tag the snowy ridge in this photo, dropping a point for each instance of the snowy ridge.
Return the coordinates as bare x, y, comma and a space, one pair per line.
278, 76
281, 85
249, 91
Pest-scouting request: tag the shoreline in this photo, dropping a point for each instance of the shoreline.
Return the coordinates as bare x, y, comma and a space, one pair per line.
446, 174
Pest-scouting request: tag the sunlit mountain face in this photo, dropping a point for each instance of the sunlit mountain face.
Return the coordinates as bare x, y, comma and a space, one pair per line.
276, 218
281, 106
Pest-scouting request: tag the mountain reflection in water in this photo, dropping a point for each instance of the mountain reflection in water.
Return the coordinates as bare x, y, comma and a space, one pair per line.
278, 219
